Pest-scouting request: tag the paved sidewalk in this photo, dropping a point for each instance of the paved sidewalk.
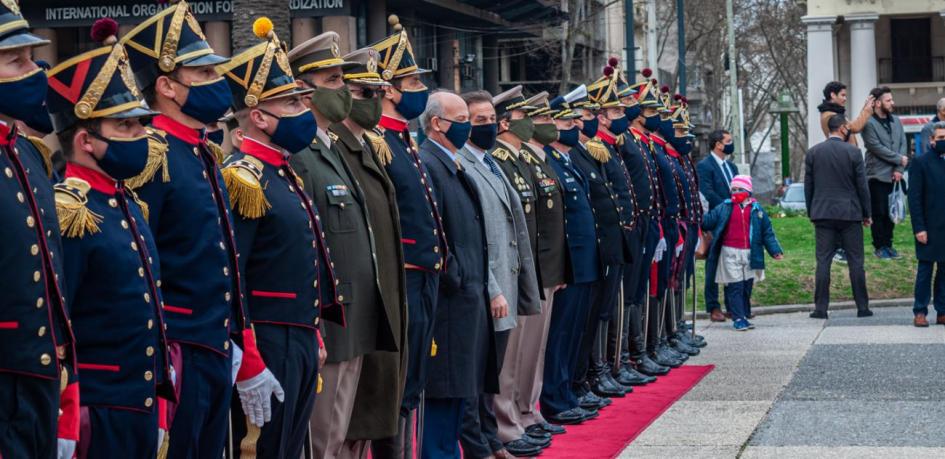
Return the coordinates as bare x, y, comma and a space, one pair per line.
797, 387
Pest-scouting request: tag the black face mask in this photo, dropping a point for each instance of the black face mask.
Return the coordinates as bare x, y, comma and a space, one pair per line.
846, 136
483, 135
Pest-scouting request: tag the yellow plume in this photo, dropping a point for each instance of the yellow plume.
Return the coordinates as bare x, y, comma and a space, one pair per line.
262, 27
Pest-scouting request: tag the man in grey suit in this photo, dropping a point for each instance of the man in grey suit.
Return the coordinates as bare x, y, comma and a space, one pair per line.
838, 202
886, 159
512, 281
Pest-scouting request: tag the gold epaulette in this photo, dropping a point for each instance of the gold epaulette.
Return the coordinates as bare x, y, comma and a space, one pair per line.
501, 154
621, 139
598, 150
243, 179
145, 210
75, 218
157, 159
332, 136
216, 150
525, 155
44, 151
380, 147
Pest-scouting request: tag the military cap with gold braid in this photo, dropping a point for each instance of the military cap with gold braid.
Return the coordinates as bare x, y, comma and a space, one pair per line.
511, 100
680, 114
396, 53
261, 72
560, 110
14, 30
647, 93
540, 102
364, 70
95, 84
167, 40
604, 90
319, 52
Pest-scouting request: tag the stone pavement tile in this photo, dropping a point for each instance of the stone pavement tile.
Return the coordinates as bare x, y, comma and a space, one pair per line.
688, 452
852, 423
846, 452
905, 372
722, 423
881, 334
749, 384
881, 316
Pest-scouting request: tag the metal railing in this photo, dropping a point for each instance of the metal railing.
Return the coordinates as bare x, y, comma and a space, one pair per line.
911, 69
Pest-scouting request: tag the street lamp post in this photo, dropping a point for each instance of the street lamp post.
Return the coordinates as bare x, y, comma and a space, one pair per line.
784, 106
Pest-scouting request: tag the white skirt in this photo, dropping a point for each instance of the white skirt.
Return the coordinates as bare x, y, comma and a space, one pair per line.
734, 266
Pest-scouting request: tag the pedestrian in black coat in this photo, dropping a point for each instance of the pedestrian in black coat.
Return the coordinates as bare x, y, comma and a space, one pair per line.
927, 204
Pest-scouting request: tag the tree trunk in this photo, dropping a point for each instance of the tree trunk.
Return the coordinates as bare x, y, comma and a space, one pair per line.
247, 11
570, 39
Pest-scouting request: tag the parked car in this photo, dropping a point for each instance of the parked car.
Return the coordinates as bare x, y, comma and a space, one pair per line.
793, 198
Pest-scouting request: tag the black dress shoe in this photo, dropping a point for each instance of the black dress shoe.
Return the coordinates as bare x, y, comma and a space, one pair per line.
568, 417
818, 315
647, 366
613, 384
662, 359
627, 376
539, 442
688, 339
522, 448
683, 348
590, 401
539, 437
667, 350
547, 427
588, 415
864, 313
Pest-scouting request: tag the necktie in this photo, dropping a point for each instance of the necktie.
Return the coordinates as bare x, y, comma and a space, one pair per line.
726, 173
492, 166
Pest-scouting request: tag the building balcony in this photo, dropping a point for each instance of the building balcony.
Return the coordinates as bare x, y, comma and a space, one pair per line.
911, 70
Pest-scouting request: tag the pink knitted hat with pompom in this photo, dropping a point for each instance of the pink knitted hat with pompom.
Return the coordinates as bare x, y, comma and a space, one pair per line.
743, 182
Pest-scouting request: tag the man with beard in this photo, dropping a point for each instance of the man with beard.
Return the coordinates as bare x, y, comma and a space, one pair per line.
886, 159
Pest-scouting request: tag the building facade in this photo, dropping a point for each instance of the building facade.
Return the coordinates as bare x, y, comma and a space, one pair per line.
866, 43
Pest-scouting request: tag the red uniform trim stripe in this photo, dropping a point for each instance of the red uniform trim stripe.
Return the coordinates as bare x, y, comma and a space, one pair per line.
264, 294
9, 325
99, 367
178, 310
408, 241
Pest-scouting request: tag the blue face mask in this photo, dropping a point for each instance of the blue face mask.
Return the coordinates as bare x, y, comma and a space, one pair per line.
633, 112
124, 158
728, 148
683, 145
651, 123
216, 137
666, 129
483, 135
30, 91
412, 103
590, 128
619, 125
458, 133
569, 137
939, 147
208, 102
294, 132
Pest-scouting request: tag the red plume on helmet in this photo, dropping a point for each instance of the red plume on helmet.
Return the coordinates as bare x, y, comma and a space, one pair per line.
104, 31
646, 72
653, 81
613, 61
608, 71
664, 88
678, 97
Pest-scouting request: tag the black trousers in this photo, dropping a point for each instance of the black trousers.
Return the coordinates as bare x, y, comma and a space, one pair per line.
29, 411
132, 433
602, 308
850, 237
480, 435
291, 354
421, 311
882, 228
199, 426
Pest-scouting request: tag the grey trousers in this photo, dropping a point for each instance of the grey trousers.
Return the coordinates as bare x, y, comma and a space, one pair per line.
332, 414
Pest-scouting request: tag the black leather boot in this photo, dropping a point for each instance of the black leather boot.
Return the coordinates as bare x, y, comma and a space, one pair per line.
647, 366
681, 347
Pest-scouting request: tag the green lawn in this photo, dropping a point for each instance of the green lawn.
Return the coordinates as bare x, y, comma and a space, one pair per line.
791, 280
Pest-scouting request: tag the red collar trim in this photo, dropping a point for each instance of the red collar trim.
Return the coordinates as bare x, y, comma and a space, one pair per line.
99, 181
640, 134
393, 124
607, 138
176, 129
659, 141
7, 134
670, 150
263, 152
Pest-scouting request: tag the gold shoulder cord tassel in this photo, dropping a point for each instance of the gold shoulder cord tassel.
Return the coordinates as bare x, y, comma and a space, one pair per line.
597, 150
162, 449
75, 218
157, 159
45, 152
217, 151
145, 210
380, 147
246, 193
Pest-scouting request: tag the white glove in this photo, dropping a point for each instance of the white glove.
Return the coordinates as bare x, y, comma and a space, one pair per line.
658, 252
256, 396
237, 359
65, 448
173, 373
161, 434
679, 248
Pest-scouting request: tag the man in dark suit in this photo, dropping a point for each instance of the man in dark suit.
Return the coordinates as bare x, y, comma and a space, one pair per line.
838, 202
927, 204
465, 363
715, 174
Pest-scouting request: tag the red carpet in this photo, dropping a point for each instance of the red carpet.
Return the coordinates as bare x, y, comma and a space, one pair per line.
620, 423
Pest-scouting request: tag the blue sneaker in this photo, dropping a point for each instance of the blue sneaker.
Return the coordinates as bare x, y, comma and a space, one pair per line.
741, 325
892, 253
751, 326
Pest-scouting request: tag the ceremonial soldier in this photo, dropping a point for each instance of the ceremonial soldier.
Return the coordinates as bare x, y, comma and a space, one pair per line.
374, 323
288, 272
365, 152
571, 309
112, 269
551, 256
513, 283
635, 153
205, 303
36, 342
421, 230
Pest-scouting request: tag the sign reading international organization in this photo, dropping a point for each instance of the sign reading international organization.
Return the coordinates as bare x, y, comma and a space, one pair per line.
74, 13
